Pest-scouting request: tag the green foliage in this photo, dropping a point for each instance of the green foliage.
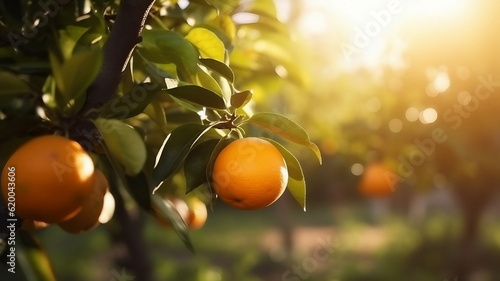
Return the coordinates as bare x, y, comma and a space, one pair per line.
182, 98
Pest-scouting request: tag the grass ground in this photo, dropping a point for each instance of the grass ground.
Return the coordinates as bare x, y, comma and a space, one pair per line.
323, 244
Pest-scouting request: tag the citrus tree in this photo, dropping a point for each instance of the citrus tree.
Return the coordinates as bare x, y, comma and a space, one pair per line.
103, 102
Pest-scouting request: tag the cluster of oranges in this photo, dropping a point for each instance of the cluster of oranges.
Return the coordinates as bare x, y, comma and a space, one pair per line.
53, 181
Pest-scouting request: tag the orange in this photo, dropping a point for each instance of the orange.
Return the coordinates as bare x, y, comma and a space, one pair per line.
377, 181
181, 207
249, 173
52, 179
88, 217
198, 213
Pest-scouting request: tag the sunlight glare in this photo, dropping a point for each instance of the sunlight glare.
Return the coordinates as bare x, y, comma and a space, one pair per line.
362, 31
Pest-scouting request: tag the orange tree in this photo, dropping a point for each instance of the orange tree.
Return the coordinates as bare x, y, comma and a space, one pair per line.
150, 89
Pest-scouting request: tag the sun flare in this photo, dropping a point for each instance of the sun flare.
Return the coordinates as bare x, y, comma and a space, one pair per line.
363, 30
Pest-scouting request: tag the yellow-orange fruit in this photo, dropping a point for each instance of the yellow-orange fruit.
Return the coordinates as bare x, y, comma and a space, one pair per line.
250, 173
50, 178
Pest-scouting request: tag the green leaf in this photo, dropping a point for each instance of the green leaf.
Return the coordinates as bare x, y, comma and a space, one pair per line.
198, 95
239, 99
208, 44
298, 190
155, 111
12, 84
174, 150
167, 210
220, 68
140, 188
124, 144
33, 259
296, 181
196, 163
285, 128
77, 73
205, 80
223, 142
131, 103
292, 164
165, 46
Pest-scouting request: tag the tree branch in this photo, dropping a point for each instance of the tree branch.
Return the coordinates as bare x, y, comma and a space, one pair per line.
124, 36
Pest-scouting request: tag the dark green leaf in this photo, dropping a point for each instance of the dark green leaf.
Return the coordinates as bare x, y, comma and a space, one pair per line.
198, 95
296, 182
33, 259
196, 162
239, 99
12, 84
131, 103
174, 150
75, 75
285, 128
124, 144
140, 189
223, 142
220, 68
167, 210
155, 111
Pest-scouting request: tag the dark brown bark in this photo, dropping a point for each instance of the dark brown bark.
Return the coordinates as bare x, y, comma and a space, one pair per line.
468, 245
124, 36
135, 259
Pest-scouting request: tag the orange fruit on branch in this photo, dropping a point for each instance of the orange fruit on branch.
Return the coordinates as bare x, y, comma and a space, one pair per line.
52, 179
88, 217
197, 215
249, 173
377, 181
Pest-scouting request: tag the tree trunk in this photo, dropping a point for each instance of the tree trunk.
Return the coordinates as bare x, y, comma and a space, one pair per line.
468, 254
129, 236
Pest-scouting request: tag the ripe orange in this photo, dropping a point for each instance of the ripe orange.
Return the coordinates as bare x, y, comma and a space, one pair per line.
250, 173
52, 179
88, 217
377, 181
197, 213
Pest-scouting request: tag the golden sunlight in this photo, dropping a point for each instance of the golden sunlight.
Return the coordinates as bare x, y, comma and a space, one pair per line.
365, 32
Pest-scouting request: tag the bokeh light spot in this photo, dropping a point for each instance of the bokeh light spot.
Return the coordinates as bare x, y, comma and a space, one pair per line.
357, 169
395, 125
412, 114
428, 115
